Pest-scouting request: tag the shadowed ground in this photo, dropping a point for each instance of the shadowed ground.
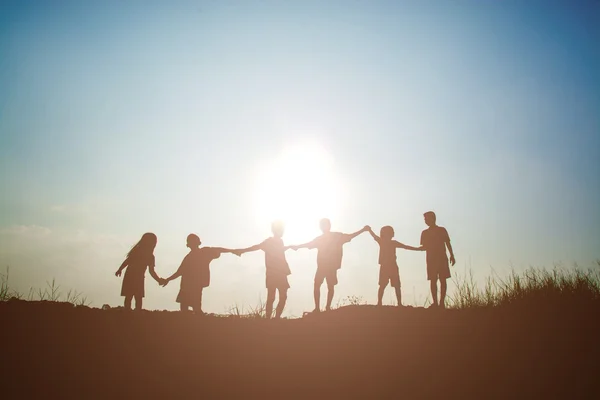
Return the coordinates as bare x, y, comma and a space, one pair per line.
61, 351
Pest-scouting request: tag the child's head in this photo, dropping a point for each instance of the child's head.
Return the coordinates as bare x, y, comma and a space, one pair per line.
387, 232
193, 241
146, 244
429, 218
325, 225
277, 227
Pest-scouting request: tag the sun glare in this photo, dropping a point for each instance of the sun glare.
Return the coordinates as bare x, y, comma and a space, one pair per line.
299, 188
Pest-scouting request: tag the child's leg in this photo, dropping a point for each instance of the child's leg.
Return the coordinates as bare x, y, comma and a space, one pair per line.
128, 302
138, 302
330, 293
198, 308
433, 285
281, 302
398, 295
183, 307
443, 288
382, 287
317, 295
270, 301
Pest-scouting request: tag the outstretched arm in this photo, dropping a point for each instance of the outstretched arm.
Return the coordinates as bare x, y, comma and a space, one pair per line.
308, 245
373, 235
256, 247
407, 247
350, 236
122, 267
223, 250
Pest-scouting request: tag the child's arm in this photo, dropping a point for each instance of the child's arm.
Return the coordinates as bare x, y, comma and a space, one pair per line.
308, 245
153, 274
373, 235
350, 236
223, 250
122, 267
176, 275
452, 259
239, 252
407, 247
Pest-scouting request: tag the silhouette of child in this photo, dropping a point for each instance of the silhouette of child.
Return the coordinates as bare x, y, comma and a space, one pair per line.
277, 268
139, 258
195, 273
434, 241
329, 258
388, 266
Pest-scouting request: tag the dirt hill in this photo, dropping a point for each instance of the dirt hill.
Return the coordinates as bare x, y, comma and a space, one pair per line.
56, 350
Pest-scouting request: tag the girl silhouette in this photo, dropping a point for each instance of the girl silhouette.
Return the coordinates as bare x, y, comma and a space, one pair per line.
140, 257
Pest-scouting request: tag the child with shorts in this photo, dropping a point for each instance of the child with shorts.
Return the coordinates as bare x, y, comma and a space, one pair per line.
388, 266
277, 268
329, 259
435, 240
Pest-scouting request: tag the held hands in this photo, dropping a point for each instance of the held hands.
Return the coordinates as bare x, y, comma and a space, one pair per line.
237, 252
163, 282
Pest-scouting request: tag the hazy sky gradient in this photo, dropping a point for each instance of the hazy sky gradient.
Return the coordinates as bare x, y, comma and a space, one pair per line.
118, 118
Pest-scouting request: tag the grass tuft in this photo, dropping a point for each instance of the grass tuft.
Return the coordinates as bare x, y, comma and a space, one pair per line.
258, 311
532, 287
52, 292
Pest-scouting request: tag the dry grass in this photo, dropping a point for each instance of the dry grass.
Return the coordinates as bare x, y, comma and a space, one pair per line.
533, 287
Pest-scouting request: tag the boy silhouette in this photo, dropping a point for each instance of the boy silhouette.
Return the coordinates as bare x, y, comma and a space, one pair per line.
195, 273
434, 241
388, 266
276, 266
329, 259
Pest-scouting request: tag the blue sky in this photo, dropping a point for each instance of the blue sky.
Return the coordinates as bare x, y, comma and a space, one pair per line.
118, 118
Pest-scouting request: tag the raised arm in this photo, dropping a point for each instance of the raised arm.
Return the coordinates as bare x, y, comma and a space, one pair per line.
350, 236
407, 247
373, 235
122, 267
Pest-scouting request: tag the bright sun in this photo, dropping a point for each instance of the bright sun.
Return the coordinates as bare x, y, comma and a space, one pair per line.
299, 188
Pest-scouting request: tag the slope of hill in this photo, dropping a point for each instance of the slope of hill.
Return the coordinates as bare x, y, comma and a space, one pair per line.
56, 350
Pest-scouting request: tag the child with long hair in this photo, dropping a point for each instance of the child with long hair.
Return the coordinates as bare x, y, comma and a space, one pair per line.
139, 258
